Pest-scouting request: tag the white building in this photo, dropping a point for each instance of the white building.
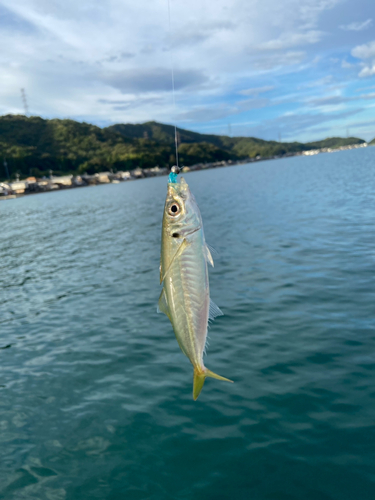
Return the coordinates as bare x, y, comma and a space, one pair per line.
63, 181
18, 187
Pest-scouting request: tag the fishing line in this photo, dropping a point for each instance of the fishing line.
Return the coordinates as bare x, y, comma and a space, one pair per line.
173, 92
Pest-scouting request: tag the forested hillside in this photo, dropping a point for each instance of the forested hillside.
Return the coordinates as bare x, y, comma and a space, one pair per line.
33, 146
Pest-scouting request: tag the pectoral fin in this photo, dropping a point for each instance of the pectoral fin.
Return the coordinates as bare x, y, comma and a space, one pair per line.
180, 249
163, 304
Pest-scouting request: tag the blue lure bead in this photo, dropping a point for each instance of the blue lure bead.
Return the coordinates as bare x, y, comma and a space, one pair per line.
172, 178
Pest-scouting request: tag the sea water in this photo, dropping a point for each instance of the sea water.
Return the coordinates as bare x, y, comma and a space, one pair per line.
95, 395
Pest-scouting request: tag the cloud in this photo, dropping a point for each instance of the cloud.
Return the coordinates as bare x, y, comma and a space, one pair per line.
152, 79
365, 88
289, 40
346, 65
248, 104
335, 100
206, 114
366, 52
128, 104
278, 60
195, 34
310, 10
321, 82
367, 97
290, 123
257, 90
367, 71
357, 26
119, 57
11, 22
329, 101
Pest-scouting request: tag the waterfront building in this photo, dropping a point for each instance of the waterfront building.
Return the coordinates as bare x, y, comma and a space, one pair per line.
63, 181
18, 187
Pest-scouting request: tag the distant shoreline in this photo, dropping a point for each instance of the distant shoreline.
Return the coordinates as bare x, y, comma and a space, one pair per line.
20, 188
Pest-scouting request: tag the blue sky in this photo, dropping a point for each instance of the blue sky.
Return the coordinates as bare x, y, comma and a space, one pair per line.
296, 69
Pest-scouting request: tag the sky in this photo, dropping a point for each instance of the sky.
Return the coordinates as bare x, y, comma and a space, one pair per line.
276, 69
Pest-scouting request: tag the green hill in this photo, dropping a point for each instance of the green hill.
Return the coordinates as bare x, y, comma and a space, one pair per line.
33, 146
237, 147
334, 142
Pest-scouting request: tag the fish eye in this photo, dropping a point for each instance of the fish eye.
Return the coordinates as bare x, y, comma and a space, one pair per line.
174, 209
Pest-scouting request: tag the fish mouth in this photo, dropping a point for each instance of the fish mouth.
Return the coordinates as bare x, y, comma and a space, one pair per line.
181, 183
179, 188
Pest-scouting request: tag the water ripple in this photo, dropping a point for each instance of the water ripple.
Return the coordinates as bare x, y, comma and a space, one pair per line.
95, 395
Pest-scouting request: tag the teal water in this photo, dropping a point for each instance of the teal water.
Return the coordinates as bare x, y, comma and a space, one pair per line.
95, 395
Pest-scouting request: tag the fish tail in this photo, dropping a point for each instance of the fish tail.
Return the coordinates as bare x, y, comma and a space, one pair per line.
200, 377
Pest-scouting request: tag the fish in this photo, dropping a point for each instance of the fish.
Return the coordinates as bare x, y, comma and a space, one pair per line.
185, 296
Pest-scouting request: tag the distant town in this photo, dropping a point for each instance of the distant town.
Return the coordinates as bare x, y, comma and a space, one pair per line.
33, 185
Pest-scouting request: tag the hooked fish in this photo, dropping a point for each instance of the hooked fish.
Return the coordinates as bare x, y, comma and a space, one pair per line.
185, 297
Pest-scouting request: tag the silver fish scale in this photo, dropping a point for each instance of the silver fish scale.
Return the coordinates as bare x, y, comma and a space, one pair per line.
190, 301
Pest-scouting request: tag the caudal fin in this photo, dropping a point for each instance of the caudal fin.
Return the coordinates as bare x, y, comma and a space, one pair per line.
200, 377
